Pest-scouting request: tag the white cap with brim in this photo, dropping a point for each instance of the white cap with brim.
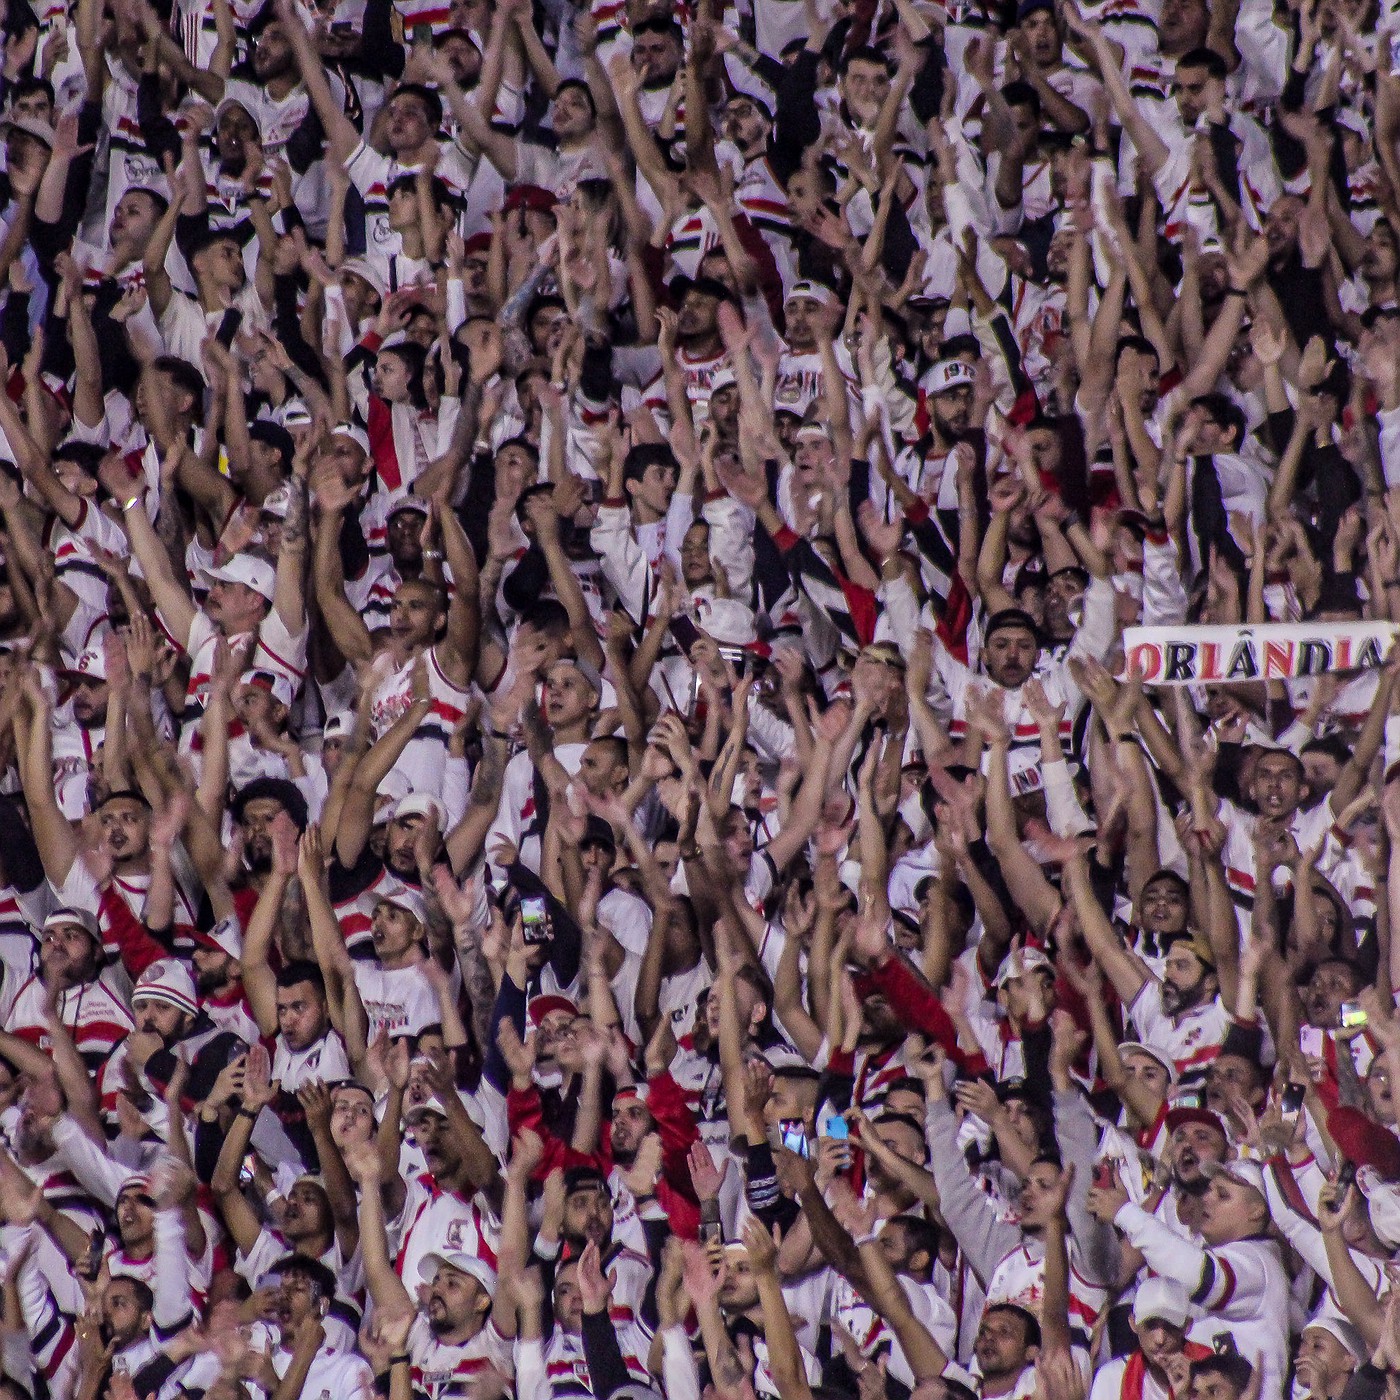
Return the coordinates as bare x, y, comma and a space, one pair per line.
586, 669
949, 374
1139, 1047
31, 126
808, 290
276, 684
91, 665
1242, 1173
479, 1269
79, 917
355, 433
248, 570
409, 900
419, 804
1162, 1299
366, 272
1030, 960
338, 726
430, 1105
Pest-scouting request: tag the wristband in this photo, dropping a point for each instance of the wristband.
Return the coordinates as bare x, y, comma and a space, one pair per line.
401, 1360
133, 501
248, 1113
432, 554
1236, 292
866, 1239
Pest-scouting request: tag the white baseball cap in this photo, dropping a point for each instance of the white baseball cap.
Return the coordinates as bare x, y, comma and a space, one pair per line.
91, 664
1164, 1299
1031, 960
949, 374
404, 897
248, 570
479, 1269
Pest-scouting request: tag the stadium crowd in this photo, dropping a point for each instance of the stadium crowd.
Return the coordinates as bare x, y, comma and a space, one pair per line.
577, 821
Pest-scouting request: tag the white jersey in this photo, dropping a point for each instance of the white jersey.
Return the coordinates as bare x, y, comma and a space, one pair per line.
423, 761
398, 1001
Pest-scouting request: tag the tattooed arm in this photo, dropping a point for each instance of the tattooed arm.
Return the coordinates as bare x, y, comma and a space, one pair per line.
289, 596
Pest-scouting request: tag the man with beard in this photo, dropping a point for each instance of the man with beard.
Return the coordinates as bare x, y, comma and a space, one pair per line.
126, 1327
1277, 789
929, 466
467, 1322
255, 810
1180, 1013
1196, 1141
1011, 655
256, 607
170, 1031
218, 979
372, 594
70, 959
590, 1215
79, 726
270, 89
1161, 1366
699, 350
120, 866
372, 857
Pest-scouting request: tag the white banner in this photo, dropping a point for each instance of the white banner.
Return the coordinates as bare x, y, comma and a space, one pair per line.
1270, 651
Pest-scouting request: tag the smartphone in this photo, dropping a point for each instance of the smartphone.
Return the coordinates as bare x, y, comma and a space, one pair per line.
247, 1170
1346, 1179
534, 918
711, 1232
1191, 1098
837, 1128
1352, 1014
793, 1135
1291, 1101
1310, 1040
422, 33
228, 327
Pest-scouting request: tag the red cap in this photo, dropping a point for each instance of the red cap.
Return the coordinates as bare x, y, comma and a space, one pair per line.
1364, 1142
531, 197
540, 1007
1180, 1117
477, 243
